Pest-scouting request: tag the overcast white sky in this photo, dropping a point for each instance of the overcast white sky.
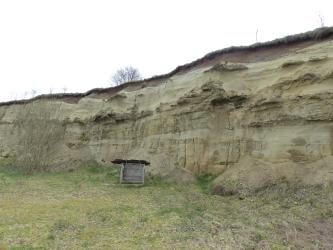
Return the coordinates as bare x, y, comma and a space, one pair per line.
78, 44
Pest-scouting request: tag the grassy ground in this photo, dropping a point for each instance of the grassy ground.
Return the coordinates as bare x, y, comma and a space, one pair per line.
87, 209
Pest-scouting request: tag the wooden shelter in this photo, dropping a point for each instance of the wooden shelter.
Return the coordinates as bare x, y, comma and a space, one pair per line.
132, 171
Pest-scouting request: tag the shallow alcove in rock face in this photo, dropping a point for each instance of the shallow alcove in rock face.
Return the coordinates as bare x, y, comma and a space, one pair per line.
252, 115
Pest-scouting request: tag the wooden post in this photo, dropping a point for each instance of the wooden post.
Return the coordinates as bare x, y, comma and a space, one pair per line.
121, 173
143, 174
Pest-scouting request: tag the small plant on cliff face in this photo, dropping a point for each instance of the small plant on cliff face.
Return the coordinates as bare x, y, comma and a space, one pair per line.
38, 135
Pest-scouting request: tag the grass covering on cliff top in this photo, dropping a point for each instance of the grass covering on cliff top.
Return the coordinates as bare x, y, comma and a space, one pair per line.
88, 209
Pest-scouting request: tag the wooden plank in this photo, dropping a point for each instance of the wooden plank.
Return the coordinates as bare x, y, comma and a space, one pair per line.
132, 173
121, 173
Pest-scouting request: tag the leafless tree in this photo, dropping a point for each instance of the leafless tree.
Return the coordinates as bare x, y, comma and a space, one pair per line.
127, 74
33, 93
39, 134
25, 94
322, 22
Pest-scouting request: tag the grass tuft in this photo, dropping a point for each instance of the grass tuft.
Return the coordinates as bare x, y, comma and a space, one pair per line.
205, 182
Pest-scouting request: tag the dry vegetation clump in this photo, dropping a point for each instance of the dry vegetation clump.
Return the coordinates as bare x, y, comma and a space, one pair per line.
38, 135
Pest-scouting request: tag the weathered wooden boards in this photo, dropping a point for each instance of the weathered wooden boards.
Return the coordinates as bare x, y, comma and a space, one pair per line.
132, 171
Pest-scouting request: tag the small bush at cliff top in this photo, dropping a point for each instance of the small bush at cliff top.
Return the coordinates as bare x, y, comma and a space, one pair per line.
124, 75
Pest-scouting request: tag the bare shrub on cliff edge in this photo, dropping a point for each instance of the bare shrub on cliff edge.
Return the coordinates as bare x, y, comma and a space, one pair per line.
127, 74
38, 135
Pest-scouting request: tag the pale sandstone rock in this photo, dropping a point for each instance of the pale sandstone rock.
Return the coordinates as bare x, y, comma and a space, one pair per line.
258, 118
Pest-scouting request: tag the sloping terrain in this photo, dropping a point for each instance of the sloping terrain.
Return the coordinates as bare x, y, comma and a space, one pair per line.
252, 115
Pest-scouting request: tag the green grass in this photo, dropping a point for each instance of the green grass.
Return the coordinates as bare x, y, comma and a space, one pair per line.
88, 209
205, 182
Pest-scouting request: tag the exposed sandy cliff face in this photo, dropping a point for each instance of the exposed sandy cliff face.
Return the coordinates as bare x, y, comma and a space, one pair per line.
251, 116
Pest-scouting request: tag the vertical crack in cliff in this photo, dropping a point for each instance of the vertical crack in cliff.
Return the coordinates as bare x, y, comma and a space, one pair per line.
331, 141
196, 163
185, 154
